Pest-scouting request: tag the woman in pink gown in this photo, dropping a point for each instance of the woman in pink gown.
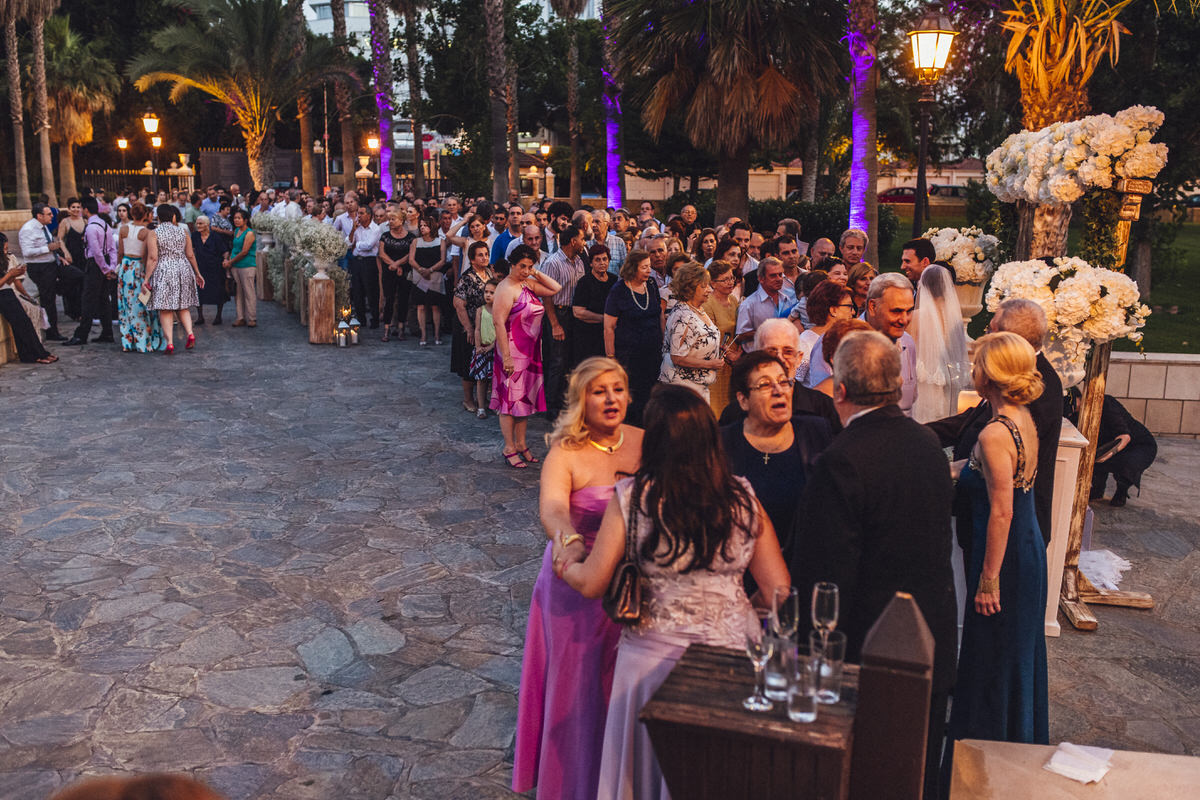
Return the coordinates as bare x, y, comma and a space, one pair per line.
570, 644
517, 375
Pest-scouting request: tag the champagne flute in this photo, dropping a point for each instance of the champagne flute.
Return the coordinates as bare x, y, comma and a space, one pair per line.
785, 602
825, 608
759, 647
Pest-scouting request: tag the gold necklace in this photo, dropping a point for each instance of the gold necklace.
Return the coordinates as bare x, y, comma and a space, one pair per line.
608, 448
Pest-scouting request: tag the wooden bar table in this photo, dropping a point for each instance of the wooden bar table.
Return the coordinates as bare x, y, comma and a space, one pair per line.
708, 746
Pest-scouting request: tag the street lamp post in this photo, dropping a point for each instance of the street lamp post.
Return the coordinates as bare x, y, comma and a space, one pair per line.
150, 124
122, 144
373, 146
930, 42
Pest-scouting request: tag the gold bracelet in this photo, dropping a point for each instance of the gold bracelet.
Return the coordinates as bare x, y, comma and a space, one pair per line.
570, 540
989, 585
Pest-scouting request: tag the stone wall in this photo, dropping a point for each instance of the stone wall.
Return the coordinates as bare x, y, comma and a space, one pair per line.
1160, 389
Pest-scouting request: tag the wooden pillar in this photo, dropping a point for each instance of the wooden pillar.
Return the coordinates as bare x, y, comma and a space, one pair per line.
892, 720
287, 291
265, 290
320, 310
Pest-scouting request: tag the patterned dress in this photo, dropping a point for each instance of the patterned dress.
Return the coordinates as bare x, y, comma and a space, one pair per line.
173, 285
141, 331
690, 333
469, 289
522, 393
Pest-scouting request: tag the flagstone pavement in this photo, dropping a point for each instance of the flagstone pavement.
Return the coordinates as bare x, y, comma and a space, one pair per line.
302, 572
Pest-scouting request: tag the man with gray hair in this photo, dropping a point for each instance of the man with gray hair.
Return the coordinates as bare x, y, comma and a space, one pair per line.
1026, 319
890, 304
874, 517
853, 245
617, 251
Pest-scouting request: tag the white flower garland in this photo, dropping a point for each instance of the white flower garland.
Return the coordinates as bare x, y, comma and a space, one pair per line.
970, 251
1084, 305
1062, 161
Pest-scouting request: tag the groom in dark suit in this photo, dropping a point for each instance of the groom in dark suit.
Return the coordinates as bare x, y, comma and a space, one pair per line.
874, 517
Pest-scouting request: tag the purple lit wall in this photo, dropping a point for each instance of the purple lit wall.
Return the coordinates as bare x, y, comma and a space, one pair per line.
612, 140
383, 88
862, 55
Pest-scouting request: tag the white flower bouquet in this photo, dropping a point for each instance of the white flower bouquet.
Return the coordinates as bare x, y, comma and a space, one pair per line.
265, 222
970, 251
1059, 163
287, 231
1084, 305
321, 241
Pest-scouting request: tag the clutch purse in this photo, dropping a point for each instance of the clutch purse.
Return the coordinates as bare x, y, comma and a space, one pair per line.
144, 296
623, 600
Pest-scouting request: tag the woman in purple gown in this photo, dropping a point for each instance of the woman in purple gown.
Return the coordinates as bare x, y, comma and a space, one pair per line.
570, 644
517, 312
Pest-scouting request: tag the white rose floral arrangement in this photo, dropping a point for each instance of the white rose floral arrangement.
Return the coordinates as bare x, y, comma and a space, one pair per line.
265, 222
320, 241
970, 251
1061, 162
1084, 305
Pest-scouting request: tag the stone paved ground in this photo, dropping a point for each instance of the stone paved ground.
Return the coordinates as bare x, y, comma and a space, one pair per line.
299, 572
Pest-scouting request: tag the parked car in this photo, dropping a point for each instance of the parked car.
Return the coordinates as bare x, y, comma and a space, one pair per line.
900, 194
948, 192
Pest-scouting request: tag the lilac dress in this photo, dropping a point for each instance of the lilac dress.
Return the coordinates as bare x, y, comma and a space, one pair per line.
521, 394
566, 676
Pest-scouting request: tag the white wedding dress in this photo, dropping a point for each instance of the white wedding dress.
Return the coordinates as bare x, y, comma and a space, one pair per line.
937, 327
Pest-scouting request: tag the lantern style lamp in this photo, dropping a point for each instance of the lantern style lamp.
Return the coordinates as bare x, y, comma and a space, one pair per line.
372, 143
544, 149
150, 122
122, 145
930, 43
354, 327
342, 336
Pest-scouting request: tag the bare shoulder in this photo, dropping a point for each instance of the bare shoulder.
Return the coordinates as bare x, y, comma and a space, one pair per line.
633, 434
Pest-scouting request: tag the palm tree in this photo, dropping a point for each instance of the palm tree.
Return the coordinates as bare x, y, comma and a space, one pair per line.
408, 8
341, 95
493, 15
569, 10
12, 10
381, 62
614, 164
863, 37
39, 12
242, 53
81, 82
744, 73
308, 175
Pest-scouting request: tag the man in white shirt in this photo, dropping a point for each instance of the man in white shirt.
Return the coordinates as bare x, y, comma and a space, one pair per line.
890, 304
617, 251
770, 301
292, 209
364, 268
39, 248
344, 224
453, 252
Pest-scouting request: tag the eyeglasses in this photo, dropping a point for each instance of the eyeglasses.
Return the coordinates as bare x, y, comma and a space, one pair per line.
844, 305
726, 279
771, 386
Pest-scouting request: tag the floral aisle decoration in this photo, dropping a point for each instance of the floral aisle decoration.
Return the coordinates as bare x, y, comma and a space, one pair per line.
1084, 306
265, 222
970, 251
1061, 162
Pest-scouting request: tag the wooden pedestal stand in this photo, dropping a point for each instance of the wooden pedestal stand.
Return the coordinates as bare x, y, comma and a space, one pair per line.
320, 309
1077, 590
265, 243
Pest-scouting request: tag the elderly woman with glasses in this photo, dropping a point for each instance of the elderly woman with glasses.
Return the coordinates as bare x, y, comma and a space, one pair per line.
770, 447
827, 303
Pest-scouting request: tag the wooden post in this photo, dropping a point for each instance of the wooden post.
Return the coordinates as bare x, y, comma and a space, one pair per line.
891, 724
287, 291
263, 248
320, 310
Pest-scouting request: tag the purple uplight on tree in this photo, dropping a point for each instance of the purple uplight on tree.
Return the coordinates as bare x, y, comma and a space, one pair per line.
862, 35
612, 141
381, 63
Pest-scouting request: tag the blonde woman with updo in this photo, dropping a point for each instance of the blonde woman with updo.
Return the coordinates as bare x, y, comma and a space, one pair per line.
1001, 690
570, 644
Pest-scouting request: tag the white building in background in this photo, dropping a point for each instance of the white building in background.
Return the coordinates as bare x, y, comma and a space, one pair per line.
319, 15
591, 9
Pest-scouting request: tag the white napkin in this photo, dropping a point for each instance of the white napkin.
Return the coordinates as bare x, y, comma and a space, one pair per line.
1080, 763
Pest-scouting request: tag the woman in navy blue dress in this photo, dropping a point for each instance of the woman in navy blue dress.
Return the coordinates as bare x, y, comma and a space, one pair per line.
633, 326
1001, 690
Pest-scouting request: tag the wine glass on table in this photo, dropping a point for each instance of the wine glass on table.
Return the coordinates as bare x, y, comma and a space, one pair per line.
785, 619
825, 608
760, 645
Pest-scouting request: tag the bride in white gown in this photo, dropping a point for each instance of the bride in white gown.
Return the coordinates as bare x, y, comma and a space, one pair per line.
937, 326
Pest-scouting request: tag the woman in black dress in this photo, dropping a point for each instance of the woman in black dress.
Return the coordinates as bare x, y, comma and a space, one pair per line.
12, 309
210, 250
394, 245
468, 298
70, 232
633, 326
587, 306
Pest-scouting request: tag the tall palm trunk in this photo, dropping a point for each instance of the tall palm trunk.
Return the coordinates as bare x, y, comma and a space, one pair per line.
15, 103
573, 114
812, 156
66, 169
308, 169
493, 14
381, 63
512, 126
341, 94
41, 115
414, 97
733, 184
260, 152
864, 164
614, 172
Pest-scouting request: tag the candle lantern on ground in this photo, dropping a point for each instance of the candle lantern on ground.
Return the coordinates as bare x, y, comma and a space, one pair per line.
354, 326
342, 337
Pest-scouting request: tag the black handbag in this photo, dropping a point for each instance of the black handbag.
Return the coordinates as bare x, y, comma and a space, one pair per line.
623, 600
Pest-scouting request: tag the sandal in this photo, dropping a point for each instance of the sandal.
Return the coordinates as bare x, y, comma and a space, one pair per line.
385, 333
508, 457
481, 413
424, 343
47, 359
470, 409
528, 456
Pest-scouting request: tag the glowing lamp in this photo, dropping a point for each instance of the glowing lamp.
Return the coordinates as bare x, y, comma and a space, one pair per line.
122, 143
342, 336
150, 122
931, 46
156, 142
373, 143
354, 326
544, 149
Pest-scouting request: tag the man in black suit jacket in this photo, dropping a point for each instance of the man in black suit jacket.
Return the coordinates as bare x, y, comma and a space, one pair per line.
1026, 319
874, 517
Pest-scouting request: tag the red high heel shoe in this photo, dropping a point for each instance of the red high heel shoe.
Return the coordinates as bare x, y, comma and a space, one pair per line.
191, 341
170, 350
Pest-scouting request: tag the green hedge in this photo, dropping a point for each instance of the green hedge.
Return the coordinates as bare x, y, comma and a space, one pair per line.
825, 218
